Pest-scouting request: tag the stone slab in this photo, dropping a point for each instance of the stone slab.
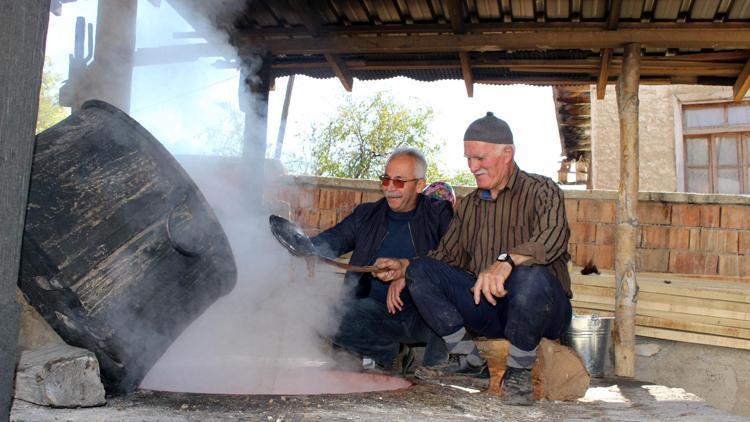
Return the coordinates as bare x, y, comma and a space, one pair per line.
59, 376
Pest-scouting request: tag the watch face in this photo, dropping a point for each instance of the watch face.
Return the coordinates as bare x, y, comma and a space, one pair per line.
503, 257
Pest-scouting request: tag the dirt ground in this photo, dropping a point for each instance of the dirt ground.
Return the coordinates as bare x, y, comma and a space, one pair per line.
607, 399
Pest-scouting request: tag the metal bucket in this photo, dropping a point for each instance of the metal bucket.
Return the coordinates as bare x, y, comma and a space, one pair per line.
590, 336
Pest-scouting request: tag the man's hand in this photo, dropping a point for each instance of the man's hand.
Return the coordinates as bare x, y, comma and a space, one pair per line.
391, 269
491, 282
393, 300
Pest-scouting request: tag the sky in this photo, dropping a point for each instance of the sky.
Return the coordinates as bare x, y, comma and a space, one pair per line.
184, 104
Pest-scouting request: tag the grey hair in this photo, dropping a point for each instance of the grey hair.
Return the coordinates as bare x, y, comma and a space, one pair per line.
420, 169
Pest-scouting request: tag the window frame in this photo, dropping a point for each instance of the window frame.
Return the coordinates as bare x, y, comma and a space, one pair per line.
712, 134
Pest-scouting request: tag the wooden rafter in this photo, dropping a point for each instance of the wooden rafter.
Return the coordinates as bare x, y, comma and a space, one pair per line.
456, 11
742, 84
311, 19
606, 54
341, 71
542, 40
466, 71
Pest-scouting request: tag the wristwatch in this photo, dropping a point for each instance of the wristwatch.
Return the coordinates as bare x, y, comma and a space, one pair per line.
504, 257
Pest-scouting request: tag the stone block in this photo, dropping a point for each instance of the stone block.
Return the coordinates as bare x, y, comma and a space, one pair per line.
603, 256
596, 211
327, 199
308, 197
605, 234
654, 213
719, 241
327, 219
582, 232
371, 196
59, 376
744, 240
688, 262
33, 331
558, 373
734, 217
686, 215
661, 237
710, 216
656, 260
571, 210
734, 265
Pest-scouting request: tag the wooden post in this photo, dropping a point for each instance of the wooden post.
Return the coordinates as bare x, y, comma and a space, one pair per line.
111, 72
255, 83
626, 288
23, 29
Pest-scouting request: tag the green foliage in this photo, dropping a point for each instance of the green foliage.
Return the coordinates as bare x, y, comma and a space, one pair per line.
358, 139
50, 111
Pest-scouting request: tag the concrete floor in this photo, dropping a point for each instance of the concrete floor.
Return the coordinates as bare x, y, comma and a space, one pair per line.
607, 399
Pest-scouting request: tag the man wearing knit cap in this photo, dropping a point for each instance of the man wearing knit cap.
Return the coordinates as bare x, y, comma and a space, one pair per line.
501, 269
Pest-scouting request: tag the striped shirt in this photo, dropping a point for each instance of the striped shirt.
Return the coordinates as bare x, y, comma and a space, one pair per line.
527, 218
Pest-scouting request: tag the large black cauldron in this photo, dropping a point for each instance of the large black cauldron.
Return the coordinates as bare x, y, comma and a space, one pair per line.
121, 251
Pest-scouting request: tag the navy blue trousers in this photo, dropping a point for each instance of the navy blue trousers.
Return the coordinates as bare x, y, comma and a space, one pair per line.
368, 328
536, 305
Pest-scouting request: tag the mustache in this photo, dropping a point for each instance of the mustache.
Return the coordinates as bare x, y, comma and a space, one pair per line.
480, 172
392, 194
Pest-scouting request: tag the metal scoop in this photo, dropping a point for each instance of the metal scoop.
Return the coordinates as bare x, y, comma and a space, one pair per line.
291, 236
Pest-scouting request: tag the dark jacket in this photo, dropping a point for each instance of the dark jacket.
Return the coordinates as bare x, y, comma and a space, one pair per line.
363, 231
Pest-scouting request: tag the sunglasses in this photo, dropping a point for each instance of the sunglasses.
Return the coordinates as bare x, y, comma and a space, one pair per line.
397, 183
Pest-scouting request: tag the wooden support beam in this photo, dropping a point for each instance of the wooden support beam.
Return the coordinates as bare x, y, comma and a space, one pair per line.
23, 29
626, 284
742, 84
735, 38
601, 82
612, 21
455, 9
253, 98
466, 71
341, 71
614, 14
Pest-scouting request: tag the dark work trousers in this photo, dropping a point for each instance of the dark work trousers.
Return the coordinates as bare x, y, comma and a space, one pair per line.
536, 305
368, 328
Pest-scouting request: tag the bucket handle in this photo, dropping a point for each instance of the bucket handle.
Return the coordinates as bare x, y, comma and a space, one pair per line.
595, 322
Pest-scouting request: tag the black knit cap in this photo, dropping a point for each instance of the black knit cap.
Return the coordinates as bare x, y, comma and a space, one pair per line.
489, 129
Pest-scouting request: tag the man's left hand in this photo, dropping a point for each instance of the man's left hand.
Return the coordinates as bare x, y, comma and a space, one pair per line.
393, 301
491, 283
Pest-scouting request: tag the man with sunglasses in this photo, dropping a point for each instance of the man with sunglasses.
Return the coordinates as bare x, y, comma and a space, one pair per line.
382, 318
501, 269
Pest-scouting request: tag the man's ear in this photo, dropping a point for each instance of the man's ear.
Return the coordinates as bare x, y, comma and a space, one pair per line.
421, 183
508, 154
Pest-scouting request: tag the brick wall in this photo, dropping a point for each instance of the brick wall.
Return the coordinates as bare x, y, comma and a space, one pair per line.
679, 233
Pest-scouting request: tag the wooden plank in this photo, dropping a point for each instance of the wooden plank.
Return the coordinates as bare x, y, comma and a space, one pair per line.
455, 9
601, 82
693, 337
735, 38
23, 29
699, 319
626, 229
667, 303
466, 71
341, 71
672, 287
742, 84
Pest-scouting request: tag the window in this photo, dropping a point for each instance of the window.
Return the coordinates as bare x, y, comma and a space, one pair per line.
717, 148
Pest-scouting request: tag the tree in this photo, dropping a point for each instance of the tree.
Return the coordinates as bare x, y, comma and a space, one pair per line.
357, 140
50, 110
